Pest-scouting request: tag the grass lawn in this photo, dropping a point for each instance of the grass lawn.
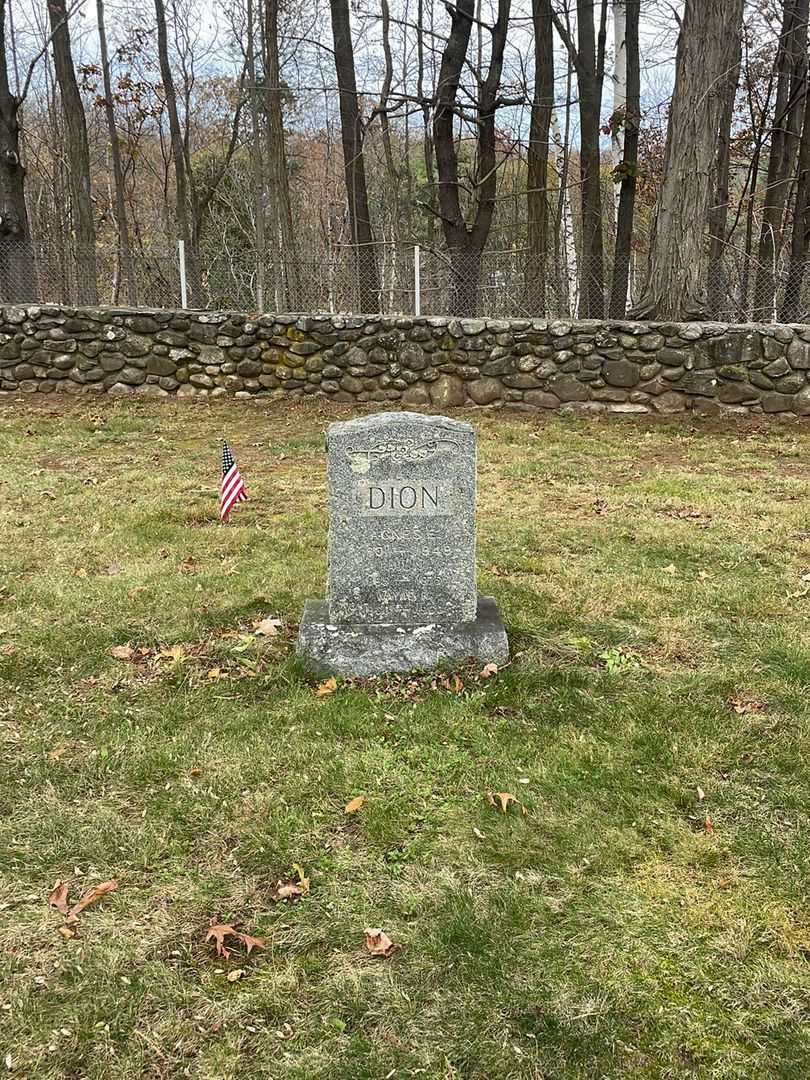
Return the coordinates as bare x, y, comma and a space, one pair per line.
646, 917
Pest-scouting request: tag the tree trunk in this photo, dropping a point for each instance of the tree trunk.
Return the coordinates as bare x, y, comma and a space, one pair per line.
626, 170
466, 243
537, 158
707, 46
124, 247
792, 308
18, 281
717, 285
78, 155
590, 77
791, 87
353, 162
277, 159
258, 164
178, 156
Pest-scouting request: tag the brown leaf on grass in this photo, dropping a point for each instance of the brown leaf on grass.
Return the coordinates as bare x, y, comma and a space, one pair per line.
354, 805
290, 888
58, 897
176, 653
707, 825
188, 565
236, 975
505, 798
266, 627
745, 703
287, 890
327, 687
378, 942
67, 932
122, 652
487, 671
219, 932
90, 897
701, 794
57, 751
214, 673
251, 943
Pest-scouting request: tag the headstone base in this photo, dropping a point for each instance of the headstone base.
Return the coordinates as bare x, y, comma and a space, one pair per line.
373, 649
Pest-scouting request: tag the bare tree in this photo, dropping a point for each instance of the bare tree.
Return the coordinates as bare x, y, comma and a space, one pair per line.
282, 218
256, 152
588, 58
121, 224
792, 307
178, 158
707, 46
351, 130
17, 267
537, 156
717, 284
791, 88
628, 118
78, 154
466, 242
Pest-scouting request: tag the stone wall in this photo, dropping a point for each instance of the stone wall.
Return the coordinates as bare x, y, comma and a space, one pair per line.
621, 367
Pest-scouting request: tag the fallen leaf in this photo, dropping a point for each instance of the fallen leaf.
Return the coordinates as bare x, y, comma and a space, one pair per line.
378, 942
219, 932
67, 932
328, 687
215, 673
236, 975
671, 569
479, 834
58, 897
266, 627
175, 654
287, 890
122, 652
505, 798
354, 805
701, 794
743, 704
80, 571
57, 751
487, 671
251, 943
707, 825
90, 897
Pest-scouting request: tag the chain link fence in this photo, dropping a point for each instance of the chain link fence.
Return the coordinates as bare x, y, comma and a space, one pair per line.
388, 278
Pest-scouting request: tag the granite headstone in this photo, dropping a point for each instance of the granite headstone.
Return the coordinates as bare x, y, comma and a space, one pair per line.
401, 588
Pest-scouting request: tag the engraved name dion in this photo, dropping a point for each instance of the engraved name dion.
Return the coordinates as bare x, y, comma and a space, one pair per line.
403, 497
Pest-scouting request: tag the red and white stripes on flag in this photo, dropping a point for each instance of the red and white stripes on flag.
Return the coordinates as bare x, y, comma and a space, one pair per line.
232, 486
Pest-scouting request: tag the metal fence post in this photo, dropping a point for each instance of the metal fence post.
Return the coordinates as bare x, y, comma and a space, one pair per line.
417, 280
181, 255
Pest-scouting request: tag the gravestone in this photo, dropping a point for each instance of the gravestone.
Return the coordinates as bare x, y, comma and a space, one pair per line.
401, 589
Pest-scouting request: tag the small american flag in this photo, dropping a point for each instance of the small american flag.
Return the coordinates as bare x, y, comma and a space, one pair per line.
232, 486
